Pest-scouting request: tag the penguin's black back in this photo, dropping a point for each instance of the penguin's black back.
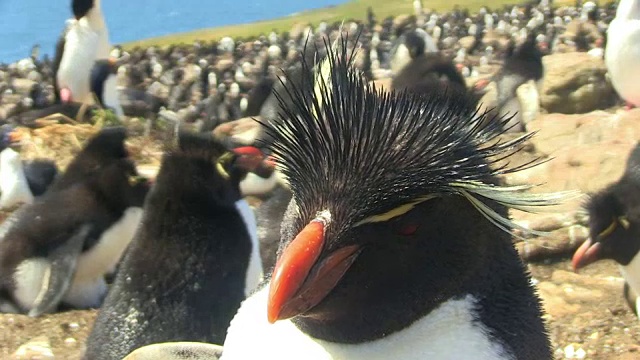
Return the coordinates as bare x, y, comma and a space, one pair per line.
183, 276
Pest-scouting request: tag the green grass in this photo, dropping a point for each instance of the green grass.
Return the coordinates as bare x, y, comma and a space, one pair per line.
354, 9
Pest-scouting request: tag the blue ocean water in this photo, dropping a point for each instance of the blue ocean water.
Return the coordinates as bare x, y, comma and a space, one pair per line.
27, 22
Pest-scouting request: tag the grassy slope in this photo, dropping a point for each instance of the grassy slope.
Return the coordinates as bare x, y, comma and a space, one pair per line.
354, 9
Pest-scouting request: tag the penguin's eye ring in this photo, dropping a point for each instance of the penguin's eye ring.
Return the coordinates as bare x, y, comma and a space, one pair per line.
222, 162
408, 229
134, 179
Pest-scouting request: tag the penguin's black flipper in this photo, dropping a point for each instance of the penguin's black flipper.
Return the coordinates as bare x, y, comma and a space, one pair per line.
56, 282
177, 351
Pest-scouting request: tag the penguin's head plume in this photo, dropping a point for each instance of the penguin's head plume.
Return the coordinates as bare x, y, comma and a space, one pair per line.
360, 160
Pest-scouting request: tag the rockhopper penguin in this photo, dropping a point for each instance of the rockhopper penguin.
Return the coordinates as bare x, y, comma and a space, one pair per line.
58, 249
394, 244
614, 226
193, 260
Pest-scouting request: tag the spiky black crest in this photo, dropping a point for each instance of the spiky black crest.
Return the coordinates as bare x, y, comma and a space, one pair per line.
356, 151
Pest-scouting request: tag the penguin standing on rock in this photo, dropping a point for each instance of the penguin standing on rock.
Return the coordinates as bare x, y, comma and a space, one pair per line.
193, 260
395, 242
58, 249
614, 226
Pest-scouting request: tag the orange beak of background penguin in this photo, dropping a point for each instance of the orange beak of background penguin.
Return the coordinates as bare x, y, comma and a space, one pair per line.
587, 253
302, 278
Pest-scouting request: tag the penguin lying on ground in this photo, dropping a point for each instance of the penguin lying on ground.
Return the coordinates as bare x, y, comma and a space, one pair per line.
622, 53
614, 226
193, 260
58, 249
21, 181
394, 243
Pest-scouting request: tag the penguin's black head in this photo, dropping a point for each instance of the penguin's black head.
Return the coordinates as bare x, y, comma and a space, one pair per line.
614, 220
121, 186
393, 194
100, 152
415, 43
108, 143
199, 161
81, 7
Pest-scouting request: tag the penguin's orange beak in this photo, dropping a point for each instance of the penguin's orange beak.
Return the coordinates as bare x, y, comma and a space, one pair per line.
14, 137
587, 253
301, 279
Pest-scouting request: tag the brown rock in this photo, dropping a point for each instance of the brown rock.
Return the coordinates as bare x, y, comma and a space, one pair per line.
589, 151
36, 349
467, 42
240, 132
575, 83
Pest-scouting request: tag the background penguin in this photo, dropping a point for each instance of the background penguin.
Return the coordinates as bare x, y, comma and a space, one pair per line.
409, 46
354, 230
21, 181
104, 81
614, 226
622, 53
58, 249
189, 267
523, 63
85, 41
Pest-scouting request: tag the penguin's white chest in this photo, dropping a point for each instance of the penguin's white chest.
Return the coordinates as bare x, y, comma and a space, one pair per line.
79, 56
254, 272
88, 286
13, 183
449, 332
631, 274
622, 57
103, 257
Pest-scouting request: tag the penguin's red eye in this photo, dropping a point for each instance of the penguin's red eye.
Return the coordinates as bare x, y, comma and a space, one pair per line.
408, 230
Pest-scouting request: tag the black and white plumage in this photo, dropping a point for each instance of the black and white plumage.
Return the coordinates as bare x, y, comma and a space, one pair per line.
193, 260
523, 63
614, 227
58, 249
393, 245
85, 40
21, 181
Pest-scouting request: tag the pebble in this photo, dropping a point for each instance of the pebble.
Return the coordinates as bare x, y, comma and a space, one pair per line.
36, 349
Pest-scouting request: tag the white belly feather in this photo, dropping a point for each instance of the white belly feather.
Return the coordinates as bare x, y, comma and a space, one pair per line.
449, 332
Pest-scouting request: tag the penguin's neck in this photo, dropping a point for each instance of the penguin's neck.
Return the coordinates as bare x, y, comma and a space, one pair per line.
628, 10
631, 273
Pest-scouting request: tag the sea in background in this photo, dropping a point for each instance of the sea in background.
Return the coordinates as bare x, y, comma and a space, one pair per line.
24, 23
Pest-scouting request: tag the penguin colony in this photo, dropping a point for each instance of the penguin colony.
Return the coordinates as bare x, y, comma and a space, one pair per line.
383, 231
